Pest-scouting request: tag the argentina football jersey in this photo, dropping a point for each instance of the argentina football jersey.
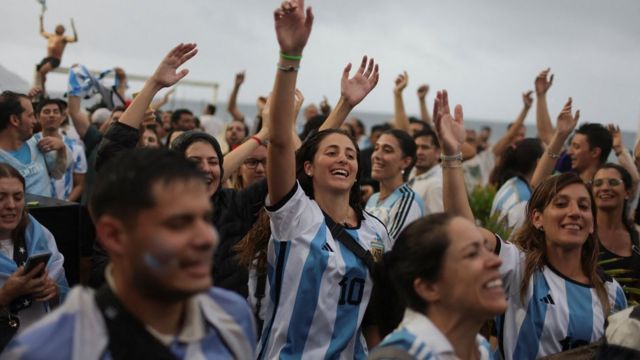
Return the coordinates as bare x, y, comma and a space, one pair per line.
511, 201
556, 313
318, 289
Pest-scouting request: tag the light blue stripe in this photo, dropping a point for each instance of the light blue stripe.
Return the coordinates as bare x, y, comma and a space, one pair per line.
401, 338
580, 314
346, 324
54, 339
273, 292
211, 347
523, 190
621, 300
529, 335
307, 296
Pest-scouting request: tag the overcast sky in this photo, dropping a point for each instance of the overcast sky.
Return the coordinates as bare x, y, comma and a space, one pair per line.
484, 52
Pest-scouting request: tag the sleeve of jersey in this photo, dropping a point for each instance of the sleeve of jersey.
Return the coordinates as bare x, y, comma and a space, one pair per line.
404, 211
292, 215
511, 268
79, 160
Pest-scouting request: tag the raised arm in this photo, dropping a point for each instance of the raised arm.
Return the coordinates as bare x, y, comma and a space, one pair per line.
42, 32
233, 159
352, 91
543, 120
74, 38
293, 27
156, 105
565, 125
422, 99
511, 134
166, 75
400, 119
232, 106
451, 134
80, 120
624, 158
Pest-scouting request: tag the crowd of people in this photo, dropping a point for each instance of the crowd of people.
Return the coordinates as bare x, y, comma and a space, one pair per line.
217, 240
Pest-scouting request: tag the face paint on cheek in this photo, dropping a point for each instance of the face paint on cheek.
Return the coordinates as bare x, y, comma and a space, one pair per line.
159, 258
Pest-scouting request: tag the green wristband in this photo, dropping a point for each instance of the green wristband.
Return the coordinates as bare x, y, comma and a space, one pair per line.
290, 57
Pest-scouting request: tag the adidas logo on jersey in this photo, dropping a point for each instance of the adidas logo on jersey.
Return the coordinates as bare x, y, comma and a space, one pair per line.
547, 300
326, 247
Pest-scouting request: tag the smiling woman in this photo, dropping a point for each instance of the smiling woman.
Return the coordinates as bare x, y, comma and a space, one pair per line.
557, 299
24, 295
450, 296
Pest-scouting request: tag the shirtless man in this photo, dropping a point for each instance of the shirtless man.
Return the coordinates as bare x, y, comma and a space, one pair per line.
55, 47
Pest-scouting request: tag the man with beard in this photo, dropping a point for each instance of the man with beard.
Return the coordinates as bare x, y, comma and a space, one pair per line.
426, 176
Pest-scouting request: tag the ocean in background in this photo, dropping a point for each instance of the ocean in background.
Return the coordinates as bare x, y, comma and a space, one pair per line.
498, 128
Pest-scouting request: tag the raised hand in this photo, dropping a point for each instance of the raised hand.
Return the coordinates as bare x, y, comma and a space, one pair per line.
361, 84
293, 26
401, 82
325, 107
239, 78
527, 99
450, 129
541, 82
422, 91
566, 120
616, 134
167, 73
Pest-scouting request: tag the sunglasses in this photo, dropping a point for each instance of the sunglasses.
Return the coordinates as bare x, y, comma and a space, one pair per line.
611, 181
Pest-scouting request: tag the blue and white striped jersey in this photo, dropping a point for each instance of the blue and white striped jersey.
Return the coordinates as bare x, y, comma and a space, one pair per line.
417, 335
62, 187
318, 289
398, 210
558, 313
219, 325
511, 202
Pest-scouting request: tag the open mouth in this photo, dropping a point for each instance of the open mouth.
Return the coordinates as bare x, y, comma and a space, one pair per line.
493, 284
571, 226
340, 172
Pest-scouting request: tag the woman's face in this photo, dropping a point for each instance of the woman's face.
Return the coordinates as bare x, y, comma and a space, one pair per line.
205, 156
11, 205
470, 281
335, 164
609, 190
254, 167
149, 139
568, 220
387, 159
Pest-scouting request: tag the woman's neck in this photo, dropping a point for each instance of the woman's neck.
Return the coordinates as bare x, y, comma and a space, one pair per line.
388, 186
336, 205
568, 262
459, 329
610, 220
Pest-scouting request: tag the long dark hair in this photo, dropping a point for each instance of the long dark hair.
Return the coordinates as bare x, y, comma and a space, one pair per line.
417, 254
517, 160
532, 241
17, 234
307, 152
628, 184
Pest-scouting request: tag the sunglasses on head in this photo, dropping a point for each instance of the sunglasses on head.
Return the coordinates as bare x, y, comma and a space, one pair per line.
610, 181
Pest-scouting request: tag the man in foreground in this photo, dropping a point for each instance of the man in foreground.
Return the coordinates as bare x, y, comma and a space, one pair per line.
152, 216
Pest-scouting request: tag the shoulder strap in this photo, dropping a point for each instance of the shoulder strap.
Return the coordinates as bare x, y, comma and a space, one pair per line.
128, 338
350, 243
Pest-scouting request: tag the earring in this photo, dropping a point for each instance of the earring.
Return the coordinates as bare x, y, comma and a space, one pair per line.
402, 171
540, 228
